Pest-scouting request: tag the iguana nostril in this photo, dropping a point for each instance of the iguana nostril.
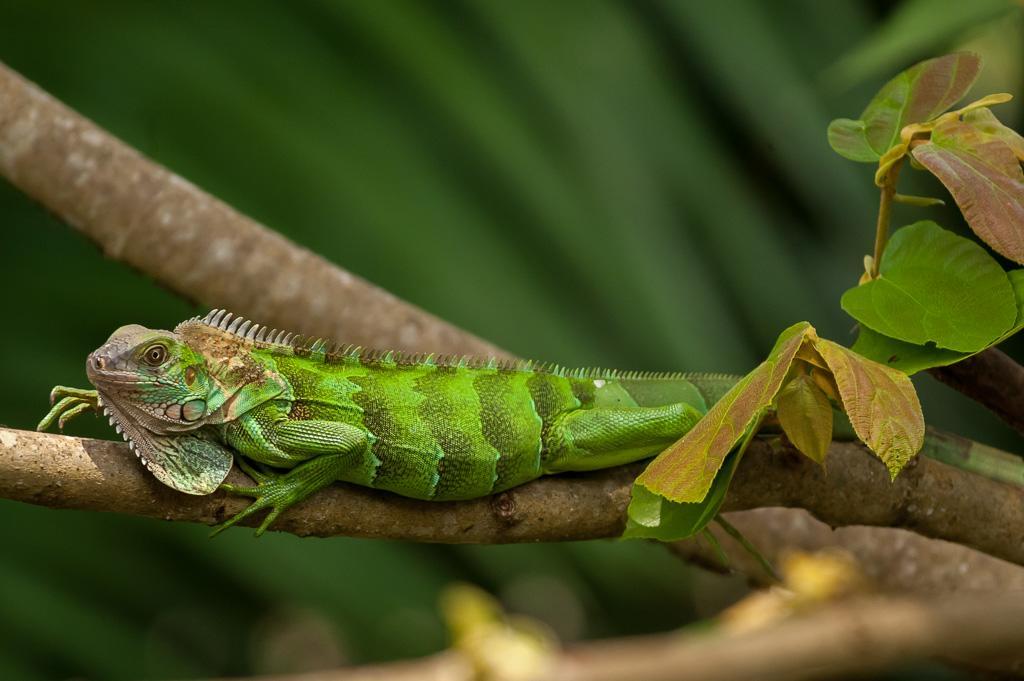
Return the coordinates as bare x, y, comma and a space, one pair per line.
99, 362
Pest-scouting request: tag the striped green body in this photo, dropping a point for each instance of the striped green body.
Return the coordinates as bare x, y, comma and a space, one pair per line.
444, 431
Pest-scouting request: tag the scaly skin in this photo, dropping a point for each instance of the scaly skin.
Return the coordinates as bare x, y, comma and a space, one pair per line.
190, 401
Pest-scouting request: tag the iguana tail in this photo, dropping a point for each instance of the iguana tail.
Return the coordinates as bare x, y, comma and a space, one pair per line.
712, 386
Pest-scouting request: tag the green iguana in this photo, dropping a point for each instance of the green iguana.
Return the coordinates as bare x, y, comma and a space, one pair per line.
431, 428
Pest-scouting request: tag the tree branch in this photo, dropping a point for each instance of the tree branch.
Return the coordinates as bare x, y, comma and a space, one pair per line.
853, 489
142, 214
895, 560
992, 378
855, 637
862, 636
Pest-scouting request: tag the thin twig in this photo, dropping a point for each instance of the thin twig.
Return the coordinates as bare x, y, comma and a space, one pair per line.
888, 192
716, 549
992, 378
752, 550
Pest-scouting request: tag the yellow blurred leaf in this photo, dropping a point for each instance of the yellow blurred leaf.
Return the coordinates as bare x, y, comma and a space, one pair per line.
467, 608
810, 580
822, 577
499, 647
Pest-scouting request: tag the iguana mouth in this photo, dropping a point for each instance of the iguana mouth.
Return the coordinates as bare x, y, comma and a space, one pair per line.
118, 381
108, 375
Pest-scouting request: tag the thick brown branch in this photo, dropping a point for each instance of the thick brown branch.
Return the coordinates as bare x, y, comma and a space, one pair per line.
929, 497
992, 378
857, 637
895, 560
142, 214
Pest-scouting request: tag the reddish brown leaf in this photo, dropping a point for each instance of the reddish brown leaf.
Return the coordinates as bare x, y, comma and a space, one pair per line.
684, 472
881, 403
988, 125
918, 94
982, 172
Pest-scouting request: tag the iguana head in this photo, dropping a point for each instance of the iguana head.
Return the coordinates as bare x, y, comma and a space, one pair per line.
153, 377
158, 392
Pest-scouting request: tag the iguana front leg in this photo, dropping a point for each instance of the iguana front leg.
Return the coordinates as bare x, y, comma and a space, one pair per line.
67, 404
331, 447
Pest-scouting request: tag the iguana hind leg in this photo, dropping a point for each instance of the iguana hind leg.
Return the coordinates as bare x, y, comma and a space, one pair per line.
600, 437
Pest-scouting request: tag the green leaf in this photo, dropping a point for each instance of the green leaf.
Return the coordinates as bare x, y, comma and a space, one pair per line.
910, 358
881, 403
684, 472
906, 357
935, 286
651, 516
978, 160
806, 416
918, 94
1016, 278
849, 139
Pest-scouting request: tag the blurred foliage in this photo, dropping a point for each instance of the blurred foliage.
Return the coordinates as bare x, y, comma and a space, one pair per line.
635, 184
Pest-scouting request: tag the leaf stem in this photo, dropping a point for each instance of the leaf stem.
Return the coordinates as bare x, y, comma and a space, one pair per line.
748, 547
884, 214
919, 201
716, 547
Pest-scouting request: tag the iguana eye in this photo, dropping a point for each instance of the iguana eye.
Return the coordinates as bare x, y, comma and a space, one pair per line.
155, 355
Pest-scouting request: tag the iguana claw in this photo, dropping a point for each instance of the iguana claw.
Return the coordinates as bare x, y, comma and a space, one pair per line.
272, 490
67, 404
265, 495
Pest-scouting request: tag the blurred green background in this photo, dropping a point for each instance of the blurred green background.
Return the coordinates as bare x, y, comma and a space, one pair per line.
634, 184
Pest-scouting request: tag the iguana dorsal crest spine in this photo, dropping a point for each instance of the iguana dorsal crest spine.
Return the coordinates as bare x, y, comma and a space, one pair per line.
305, 346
